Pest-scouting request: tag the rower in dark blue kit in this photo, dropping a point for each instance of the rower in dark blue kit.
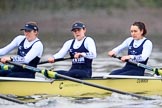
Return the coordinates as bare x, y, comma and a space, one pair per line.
30, 50
82, 50
139, 50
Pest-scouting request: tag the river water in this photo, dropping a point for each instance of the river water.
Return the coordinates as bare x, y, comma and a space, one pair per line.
102, 65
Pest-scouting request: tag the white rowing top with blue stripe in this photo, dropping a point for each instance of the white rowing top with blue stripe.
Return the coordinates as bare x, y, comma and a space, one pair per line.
147, 48
89, 44
36, 50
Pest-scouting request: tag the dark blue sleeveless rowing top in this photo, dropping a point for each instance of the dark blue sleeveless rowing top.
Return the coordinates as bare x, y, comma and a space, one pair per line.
82, 62
22, 52
136, 51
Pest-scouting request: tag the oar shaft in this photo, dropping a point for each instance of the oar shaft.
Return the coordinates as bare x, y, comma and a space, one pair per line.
102, 87
157, 71
62, 59
56, 60
142, 65
6, 67
25, 66
135, 63
11, 99
43, 62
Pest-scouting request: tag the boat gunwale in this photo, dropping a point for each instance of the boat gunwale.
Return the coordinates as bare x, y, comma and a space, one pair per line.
93, 78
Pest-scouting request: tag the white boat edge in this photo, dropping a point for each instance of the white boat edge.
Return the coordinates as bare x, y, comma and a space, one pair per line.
102, 77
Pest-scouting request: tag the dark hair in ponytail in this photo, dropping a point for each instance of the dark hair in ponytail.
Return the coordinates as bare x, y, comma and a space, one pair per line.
141, 26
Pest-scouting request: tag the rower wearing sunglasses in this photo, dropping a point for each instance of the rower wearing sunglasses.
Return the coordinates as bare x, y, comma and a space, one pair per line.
30, 50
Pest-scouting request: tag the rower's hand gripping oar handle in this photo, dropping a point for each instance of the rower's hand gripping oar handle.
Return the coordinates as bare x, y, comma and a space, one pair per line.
5, 66
116, 57
156, 70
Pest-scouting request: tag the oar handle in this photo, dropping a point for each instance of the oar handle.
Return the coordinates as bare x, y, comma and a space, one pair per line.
135, 63
155, 70
62, 59
56, 60
43, 62
118, 57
